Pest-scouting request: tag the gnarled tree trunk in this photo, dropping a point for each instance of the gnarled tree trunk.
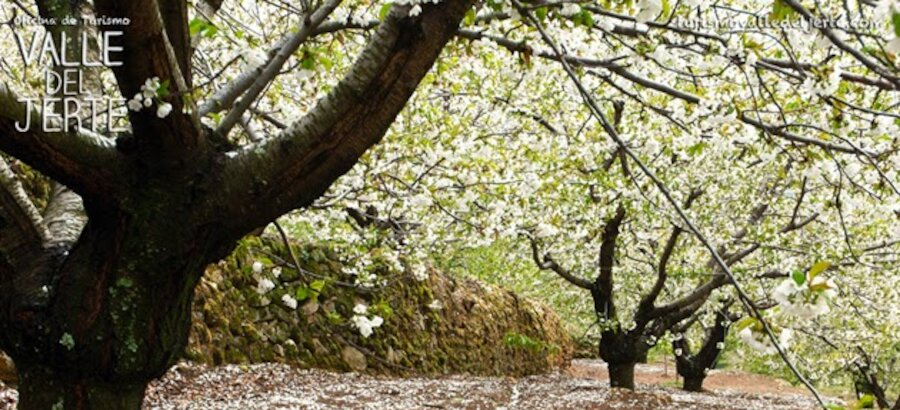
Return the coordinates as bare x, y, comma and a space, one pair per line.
89, 322
621, 351
621, 375
693, 383
40, 388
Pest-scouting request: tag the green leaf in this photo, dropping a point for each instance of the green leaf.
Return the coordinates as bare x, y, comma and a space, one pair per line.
317, 285
817, 269
163, 90
196, 26
309, 60
587, 19
326, 62
334, 318
302, 293
541, 13
210, 31
780, 11
745, 323
798, 277
124, 282
385, 9
867, 401
382, 309
470, 18
895, 19
202, 27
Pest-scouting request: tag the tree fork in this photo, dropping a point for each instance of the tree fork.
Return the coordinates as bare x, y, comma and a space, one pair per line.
93, 324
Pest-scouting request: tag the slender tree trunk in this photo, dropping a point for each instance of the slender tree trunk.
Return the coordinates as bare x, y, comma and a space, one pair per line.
693, 383
40, 389
621, 375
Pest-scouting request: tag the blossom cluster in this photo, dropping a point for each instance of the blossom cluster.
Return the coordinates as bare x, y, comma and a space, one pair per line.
495, 144
150, 94
363, 322
758, 340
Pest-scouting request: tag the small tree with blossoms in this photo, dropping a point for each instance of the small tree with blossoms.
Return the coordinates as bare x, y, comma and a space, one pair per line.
693, 366
624, 343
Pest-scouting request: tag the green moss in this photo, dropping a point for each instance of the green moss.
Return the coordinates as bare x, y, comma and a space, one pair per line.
466, 334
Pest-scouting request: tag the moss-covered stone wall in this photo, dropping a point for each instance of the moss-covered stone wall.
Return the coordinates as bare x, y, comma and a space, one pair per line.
434, 326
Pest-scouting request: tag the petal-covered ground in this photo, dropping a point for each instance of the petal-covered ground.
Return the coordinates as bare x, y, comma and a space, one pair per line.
275, 386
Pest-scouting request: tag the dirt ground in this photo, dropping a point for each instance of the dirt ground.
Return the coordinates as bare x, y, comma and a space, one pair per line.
718, 380
582, 386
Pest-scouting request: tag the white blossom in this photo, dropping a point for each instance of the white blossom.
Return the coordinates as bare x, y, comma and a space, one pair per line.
163, 110
649, 9
893, 46
264, 285
570, 9
544, 230
360, 309
366, 325
254, 58
289, 301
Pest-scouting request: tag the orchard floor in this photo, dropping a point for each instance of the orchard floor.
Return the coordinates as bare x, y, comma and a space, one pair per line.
582, 386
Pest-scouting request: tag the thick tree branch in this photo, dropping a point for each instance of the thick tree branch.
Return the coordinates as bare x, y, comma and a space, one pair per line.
648, 300
294, 168
225, 97
86, 162
662, 273
868, 377
150, 52
698, 296
210, 7
547, 262
602, 290
695, 365
175, 17
22, 232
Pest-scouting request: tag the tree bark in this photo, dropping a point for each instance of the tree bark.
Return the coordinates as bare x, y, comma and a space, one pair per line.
693, 383
40, 389
642, 357
112, 317
621, 375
